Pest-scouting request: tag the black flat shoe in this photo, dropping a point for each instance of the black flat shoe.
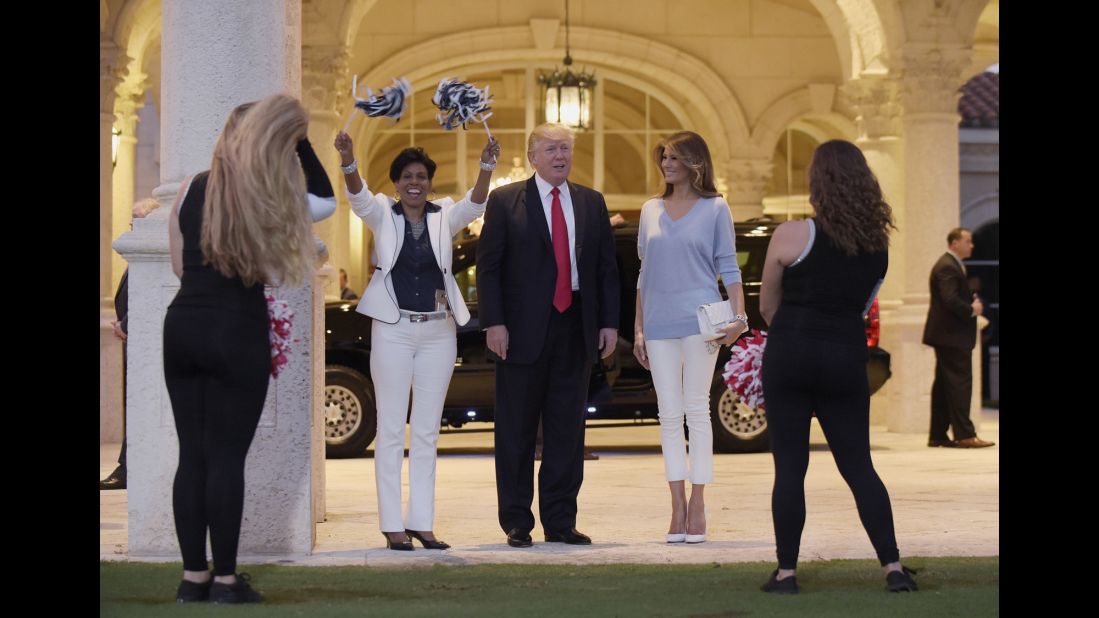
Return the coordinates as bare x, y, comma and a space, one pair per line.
571, 537
397, 545
190, 592
901, 581
518, 538
237, 592
436, 544
781, 586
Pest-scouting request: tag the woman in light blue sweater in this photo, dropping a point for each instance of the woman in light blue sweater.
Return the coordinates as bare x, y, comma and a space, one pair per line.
685, 241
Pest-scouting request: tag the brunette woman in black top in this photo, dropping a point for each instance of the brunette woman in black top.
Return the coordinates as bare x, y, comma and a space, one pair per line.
819, 278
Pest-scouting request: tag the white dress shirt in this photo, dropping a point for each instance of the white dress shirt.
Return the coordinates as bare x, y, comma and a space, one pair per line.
544, 189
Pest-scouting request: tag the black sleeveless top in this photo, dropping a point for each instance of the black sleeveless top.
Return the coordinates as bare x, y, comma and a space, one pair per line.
825, 294
202, 285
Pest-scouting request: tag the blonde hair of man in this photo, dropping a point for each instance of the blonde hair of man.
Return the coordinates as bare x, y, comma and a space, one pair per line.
256, 222
550, 131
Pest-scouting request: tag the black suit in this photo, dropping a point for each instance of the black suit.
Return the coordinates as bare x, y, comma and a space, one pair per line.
951, 329
549, 354
121, 306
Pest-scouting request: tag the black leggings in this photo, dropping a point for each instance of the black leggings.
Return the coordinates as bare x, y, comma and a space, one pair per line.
217, 366
802, 376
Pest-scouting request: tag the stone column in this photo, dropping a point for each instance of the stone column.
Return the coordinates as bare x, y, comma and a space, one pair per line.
929, 82
876, 103
130, 98
748, 179
113, 63
326, 88
217, 54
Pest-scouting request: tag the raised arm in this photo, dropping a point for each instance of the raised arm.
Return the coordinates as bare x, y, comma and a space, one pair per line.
369, 208
319, 193
474, 202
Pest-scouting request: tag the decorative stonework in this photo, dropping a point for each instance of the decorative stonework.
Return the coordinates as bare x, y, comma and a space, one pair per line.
129, 98
748, 180
325, 81
876, 105
931, 78
113, 68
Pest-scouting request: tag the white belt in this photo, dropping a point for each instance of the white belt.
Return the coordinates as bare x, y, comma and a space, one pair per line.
424, 317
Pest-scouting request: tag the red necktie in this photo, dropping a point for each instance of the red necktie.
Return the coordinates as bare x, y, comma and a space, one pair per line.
562, 291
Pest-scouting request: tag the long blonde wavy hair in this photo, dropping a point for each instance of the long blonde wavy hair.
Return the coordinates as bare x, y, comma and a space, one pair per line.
255, 222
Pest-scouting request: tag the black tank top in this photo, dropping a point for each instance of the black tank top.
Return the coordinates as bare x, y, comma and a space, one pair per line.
202, 285
824, 295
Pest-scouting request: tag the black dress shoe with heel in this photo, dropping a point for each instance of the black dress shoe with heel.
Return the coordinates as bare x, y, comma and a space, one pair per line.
571, 537
433, 544
397, 545
518, 538
901, 581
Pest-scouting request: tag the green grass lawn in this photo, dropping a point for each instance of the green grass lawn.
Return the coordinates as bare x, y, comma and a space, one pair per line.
948, 587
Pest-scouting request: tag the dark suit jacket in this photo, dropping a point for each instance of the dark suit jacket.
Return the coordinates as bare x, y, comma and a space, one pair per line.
516, 271
950, 319
121, 300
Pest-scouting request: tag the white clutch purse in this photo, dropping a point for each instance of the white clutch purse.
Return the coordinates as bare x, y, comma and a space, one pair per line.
713, 317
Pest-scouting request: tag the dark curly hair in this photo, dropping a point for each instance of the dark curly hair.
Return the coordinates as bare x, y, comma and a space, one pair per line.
407, 157
848, 200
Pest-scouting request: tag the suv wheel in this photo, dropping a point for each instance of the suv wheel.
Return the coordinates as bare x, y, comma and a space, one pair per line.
737, 427
350, 416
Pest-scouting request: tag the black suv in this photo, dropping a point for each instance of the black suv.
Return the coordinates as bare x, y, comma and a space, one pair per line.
623, 390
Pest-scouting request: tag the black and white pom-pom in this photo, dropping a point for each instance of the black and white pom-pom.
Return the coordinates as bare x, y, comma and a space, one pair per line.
392, 102
460, 103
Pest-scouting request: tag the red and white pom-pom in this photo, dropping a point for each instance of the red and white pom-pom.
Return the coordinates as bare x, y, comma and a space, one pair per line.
282, 326
743, 371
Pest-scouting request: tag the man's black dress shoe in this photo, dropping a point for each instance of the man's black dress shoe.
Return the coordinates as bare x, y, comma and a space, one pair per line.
116, 480
572, 537
518, 538
942, 443
781, 586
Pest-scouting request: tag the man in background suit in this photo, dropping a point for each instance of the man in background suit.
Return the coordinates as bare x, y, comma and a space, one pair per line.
117, 479
951, 329
548, 297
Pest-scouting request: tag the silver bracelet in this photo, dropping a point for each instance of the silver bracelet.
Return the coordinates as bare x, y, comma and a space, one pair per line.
351, 167
488, 167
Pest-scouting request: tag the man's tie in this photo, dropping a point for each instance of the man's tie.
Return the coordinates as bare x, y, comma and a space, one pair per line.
562, 292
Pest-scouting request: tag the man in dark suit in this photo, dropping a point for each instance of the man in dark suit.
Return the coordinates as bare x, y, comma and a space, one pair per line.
548, 298
951, 329
117, 478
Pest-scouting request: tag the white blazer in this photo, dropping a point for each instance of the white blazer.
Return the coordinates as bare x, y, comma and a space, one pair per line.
379, 301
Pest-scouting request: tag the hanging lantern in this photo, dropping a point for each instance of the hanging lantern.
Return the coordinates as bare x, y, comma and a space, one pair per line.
568, 95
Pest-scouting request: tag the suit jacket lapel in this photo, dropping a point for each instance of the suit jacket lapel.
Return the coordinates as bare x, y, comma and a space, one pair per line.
580, 214
535, 214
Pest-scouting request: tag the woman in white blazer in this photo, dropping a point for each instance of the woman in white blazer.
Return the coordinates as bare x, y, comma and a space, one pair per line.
415, 303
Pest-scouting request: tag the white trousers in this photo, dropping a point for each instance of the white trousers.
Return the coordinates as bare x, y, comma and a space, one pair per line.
683, 370
417, 357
